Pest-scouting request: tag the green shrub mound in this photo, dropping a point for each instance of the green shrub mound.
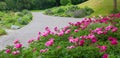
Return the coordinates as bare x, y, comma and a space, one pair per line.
89, 38
8, 18
2, 32
65, 2
69, 11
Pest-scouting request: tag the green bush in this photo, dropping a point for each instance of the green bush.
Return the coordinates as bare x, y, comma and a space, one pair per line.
70, 11
79, 13
77, 1
65, 2
3, 6
88, 10
49, 12
2, 32
15, 18
60, 10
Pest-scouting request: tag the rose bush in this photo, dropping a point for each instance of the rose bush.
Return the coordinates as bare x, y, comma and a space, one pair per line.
89, 38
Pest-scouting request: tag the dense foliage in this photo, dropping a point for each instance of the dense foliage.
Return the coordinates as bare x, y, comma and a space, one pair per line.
2, 32
33, 4
91, 37
69, 11
9, 19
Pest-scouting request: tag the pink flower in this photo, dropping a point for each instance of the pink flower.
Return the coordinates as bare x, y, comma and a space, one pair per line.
114, 29
114, 42
105, 56
50, 42
16, 41
39, 33
38, 38
47, 28
18, 45
108, 28
8, 51
31, 40
83, 37
97, 29
45, 33
111, 38
91, 36
102, 48
71, 47
81, 42
94, 40
60, 33
72, 40
55, 29
99, 32
44, 50
15, 52
76, 30
67, 31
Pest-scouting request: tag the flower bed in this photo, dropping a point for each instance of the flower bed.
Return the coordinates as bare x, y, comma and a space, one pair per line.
89, 38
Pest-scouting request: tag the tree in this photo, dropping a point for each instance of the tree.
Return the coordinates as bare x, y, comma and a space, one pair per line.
115, 4
57, 2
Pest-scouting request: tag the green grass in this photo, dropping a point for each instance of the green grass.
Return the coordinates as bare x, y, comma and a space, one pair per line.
101, 7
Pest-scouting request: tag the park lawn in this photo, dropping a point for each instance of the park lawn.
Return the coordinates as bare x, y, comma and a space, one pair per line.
101, 7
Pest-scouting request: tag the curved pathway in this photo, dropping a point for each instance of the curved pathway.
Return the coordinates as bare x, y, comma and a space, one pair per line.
31, 30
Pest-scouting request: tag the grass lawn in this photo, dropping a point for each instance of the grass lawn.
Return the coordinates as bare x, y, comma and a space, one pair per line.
101, 7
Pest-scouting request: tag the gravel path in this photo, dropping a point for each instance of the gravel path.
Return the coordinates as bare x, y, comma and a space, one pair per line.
31, 30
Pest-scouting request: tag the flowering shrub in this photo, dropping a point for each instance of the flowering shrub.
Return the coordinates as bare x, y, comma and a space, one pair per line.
89, 38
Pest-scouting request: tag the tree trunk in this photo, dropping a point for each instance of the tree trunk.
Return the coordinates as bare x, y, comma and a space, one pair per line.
57, 2
115, 4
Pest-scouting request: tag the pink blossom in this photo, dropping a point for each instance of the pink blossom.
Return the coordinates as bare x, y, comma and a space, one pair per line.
47, 28
105, 56
16, 41
111, 38
56, 29
97, 29
18, 45
45, 33
67, 31
65, 28
50, 42
102, 48
94, 40
8, 51
39, 33
61, 33
114, 42
108, 28
76, 30
38, 38
31, 40
114, 29
15, 52
99, 32
91, 36
71, 47
81, 42
72, 40
44, 50
83, 37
